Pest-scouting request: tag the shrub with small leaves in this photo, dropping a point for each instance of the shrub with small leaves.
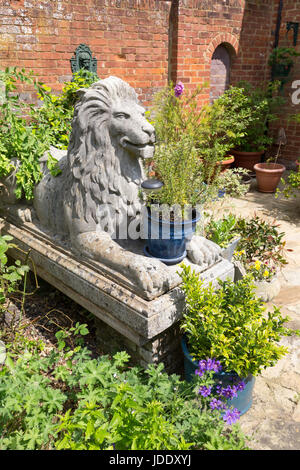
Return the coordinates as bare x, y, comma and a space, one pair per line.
231, 325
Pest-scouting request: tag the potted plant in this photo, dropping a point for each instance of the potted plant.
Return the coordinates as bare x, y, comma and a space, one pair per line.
258, 106
261, 253
291, 185
269, 174
230, 325
223, 233
173, 211
265, 280
220, 129
281, 60
232, 183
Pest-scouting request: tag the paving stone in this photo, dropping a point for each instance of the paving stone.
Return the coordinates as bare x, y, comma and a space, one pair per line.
273, 421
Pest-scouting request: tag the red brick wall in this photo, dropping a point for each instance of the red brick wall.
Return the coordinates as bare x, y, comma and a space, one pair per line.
146, 42
291, 151
128, 37
243, 26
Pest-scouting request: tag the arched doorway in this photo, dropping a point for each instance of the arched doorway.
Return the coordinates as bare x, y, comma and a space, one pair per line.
219, 72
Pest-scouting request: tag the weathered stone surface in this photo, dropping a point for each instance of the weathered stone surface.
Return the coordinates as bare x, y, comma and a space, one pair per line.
132, 322
273, 421
296, 414
95, 201
268, 290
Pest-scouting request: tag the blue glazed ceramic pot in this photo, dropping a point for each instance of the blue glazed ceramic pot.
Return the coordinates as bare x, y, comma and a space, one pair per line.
167, 239
242, 402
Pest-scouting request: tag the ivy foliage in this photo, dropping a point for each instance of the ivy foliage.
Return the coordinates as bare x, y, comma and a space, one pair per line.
27, 131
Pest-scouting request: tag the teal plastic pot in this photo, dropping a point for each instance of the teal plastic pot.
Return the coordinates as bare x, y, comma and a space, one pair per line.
242, 402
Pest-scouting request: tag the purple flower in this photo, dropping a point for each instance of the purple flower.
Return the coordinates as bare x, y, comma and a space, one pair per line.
209, 364
231, 416
228, 392
216, 404
179, 89
241, 385
212, 364
204, 391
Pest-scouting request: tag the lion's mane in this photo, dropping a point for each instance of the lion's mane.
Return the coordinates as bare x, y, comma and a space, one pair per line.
93, 167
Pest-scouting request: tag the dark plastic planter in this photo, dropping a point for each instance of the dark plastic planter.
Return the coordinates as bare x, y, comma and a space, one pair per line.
167, 239
242, 402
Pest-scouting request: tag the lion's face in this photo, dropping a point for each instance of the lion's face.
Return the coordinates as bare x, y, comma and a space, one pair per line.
130, 129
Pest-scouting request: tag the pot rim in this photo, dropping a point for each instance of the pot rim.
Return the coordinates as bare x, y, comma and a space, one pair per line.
263, 167
172, 222
244, 153
228, 161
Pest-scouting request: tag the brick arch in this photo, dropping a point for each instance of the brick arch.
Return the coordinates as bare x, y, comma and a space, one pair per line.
225, 39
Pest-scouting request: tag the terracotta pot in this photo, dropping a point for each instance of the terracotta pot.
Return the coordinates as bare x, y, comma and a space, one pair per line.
268, 176
225, 164
246, 159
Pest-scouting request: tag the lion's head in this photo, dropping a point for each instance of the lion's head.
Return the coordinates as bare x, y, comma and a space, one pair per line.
109, 135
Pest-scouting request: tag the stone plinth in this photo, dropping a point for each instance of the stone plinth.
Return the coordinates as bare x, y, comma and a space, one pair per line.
147, 329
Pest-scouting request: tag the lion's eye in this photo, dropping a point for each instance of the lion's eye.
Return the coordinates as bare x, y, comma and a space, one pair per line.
121, 116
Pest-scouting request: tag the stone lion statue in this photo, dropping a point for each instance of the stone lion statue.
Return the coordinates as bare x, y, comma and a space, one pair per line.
100, 182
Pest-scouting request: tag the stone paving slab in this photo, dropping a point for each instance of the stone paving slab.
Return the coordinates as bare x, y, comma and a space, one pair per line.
273, 422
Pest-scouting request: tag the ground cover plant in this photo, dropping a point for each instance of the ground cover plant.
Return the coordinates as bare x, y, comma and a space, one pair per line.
65, 398
291, 185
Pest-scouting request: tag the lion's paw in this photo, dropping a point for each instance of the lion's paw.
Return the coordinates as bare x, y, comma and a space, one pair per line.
150, 274
202, 251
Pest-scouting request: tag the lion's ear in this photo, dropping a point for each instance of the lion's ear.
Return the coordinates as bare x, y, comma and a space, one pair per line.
81, 92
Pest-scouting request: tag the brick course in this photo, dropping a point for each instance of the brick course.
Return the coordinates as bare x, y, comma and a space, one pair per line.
147, 42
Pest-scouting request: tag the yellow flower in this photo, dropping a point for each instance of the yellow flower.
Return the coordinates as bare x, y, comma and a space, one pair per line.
257, 265
266, 273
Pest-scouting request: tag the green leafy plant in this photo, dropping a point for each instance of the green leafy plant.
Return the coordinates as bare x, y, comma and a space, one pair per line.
67, 400
55, 116
231, 325
175, 115
291, 185
231, 182
257, 106
213, 130
222, 231
27, 131
261, 241
10, 275
222, 126
283, 56
259, 271
180, 169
